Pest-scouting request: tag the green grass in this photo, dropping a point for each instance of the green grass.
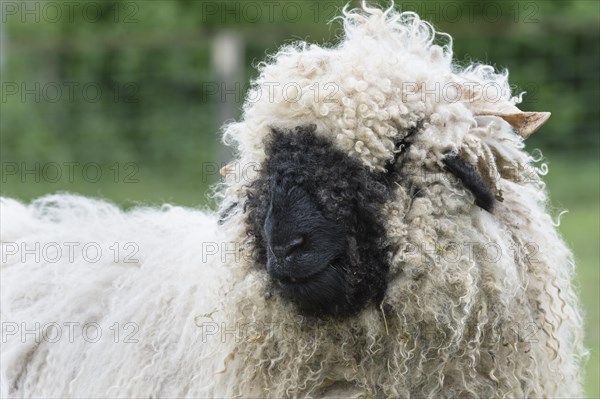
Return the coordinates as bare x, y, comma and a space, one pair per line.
572, 182
574, 185
145, 186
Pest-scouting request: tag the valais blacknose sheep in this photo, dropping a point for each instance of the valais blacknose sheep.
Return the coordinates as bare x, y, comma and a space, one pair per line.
382, 233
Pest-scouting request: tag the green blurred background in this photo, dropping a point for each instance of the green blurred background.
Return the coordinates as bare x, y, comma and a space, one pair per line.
119, 99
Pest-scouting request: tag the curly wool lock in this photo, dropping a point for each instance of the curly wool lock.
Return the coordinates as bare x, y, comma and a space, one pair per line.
431, 322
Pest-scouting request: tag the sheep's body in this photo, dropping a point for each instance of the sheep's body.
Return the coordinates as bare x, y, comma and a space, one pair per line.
478, 304
155, 289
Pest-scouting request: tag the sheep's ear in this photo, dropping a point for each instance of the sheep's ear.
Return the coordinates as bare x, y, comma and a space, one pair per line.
525, 123
484, 198
227, 169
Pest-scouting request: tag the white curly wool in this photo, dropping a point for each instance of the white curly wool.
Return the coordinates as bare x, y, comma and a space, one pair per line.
478, 304
110, 300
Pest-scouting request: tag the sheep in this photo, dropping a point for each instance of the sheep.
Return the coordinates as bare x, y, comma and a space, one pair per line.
392, 242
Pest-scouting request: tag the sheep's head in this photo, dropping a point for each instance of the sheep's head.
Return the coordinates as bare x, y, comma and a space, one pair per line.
320, 236
392, 118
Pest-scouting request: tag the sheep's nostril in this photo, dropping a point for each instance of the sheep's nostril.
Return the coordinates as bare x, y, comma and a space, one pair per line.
293, 245
286, 251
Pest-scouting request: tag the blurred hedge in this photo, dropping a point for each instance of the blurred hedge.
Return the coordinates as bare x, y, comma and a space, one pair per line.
151, 60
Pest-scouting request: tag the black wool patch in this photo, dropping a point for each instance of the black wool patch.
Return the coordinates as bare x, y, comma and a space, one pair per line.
472, 180
315, 216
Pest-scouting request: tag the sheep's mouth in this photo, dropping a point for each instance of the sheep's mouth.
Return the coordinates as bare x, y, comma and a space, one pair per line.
324, 293
285, 281
300, 280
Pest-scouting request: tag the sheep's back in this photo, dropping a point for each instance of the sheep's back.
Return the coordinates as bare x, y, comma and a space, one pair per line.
100, 302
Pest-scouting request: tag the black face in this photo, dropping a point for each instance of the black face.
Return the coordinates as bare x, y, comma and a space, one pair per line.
315, 215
